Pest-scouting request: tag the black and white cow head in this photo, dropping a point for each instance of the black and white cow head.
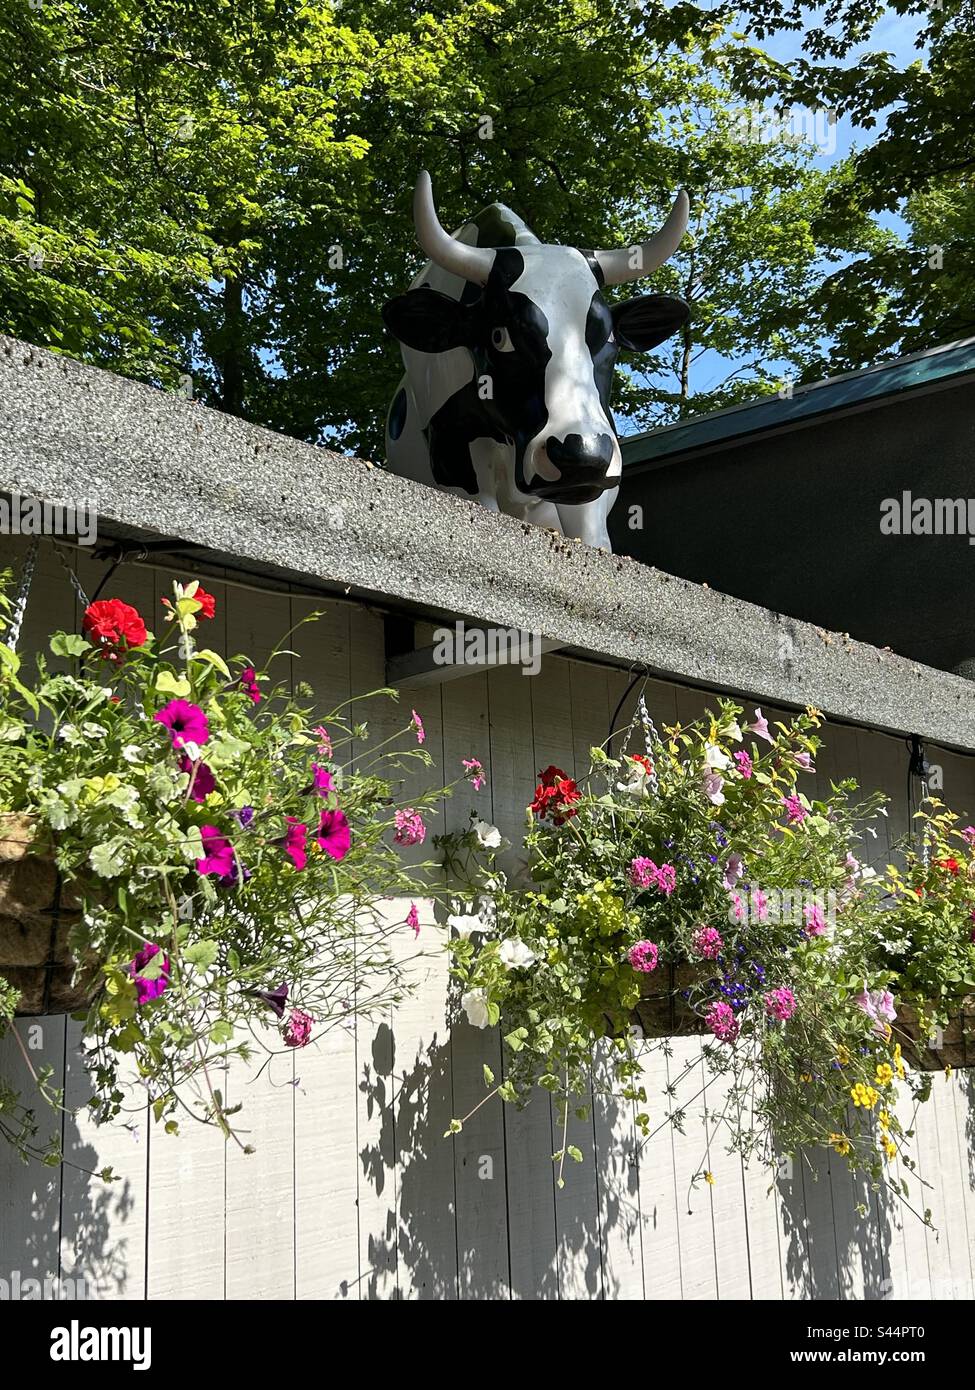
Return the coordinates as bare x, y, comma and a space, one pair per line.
542, 335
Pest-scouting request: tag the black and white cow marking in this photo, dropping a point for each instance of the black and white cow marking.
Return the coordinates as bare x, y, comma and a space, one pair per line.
509, 349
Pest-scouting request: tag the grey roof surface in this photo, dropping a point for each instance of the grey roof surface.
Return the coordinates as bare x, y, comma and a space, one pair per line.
158, 464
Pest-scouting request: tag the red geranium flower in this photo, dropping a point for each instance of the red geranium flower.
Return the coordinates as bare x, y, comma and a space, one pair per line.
208, 601
554, 796
951, 865
112, 623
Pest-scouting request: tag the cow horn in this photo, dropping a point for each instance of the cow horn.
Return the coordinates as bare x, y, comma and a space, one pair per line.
470, 262
633, 262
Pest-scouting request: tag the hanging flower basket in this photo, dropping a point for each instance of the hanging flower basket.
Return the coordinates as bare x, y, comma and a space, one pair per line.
35, 916
950, 1046
663, 1010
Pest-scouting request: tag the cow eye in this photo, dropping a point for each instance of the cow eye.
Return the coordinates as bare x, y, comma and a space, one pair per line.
501, 339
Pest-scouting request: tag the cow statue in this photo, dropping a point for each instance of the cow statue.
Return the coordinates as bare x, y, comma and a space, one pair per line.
509, 349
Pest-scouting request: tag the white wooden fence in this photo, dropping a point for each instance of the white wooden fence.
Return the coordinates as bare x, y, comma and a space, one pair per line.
354, 1193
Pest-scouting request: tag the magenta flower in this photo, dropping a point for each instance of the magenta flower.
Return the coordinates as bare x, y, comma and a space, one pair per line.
666, 879
780, 1003
732, 870
410, 829
334, 834
878, 1004
795, 810
760, 727
643, 872
474, 772
744, 762
297, 1030
815, 921
416, 724
202, 781
295, 842
147, 990
186, 723
321, 780
720, 1018
643, 956
248, 679
760, 904
707, 942
219, 858
413, 919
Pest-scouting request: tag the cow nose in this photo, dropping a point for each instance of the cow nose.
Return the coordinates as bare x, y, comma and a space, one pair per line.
581, 458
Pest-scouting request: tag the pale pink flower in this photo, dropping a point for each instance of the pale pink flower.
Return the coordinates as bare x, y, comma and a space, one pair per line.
815, 921
707, 942
760, 727
780, 1003
410, 829
712, 782
732, 870
416, 724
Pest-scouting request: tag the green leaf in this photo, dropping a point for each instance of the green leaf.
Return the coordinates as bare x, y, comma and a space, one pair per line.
222, 1031
201, 955
169, 684
488, 1075
69, 644
574, 1153
455, 1128
214, 660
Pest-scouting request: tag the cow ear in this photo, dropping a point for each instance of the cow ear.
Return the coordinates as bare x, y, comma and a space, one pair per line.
426, 320
647, 320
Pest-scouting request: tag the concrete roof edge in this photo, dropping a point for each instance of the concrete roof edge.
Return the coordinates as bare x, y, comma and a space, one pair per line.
152, 460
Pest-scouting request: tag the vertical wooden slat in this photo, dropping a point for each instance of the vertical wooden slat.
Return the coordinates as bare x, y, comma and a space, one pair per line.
528, 1138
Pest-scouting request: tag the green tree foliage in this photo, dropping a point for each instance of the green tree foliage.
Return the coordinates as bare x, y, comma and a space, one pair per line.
220, 189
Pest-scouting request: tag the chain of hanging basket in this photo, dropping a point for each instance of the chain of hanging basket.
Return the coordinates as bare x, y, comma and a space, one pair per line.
20, 602
651, 739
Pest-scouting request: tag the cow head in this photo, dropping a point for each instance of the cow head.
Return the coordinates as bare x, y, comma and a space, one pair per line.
541, 333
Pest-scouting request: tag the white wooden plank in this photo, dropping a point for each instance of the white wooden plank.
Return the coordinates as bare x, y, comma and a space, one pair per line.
30, 1193
480, 1178
103, 1225
763, 1227
658, 1184
527, 1133
727, 1195
699, 1278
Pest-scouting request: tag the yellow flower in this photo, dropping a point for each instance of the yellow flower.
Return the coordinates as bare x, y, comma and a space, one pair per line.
885, 1074
864, 1096
709, 1178
805, 1076
843, 1055
883, 1119
898, 1062
947, 1073
890, 1148
840, 1143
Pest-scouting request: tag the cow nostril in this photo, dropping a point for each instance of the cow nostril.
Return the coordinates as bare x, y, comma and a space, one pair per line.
574, 453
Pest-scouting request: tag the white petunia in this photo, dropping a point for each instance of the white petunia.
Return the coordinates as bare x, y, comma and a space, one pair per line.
69, 733
515, 955
464, 924
715, 759
474, 1004
638, 780
488, 836
132, 753
92, 730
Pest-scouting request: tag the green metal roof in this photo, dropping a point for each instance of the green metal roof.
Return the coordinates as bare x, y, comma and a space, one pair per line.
921, 370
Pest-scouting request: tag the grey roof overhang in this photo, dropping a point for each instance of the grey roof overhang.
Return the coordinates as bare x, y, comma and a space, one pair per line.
233, 494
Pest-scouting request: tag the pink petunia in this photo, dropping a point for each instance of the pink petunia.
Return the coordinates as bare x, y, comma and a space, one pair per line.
760, 727
712, 784
248, 679
202, 780
186, 722
878, 1005
295, 842
321, 779
732, 870
324, 741
145, 989
815, 921
219, 857
334, 834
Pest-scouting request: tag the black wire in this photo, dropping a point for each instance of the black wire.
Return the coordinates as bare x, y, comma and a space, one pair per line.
640, 676
107, 576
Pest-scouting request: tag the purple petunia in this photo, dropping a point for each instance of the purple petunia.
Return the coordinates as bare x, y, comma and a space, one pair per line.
147, 990
202, 780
